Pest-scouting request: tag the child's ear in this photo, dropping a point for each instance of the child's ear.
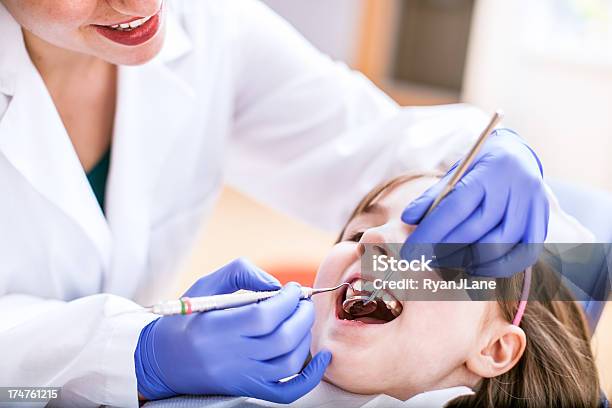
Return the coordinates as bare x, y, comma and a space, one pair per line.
502, 350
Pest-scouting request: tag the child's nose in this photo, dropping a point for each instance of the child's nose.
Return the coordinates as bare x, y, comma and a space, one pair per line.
390, 233
377, 241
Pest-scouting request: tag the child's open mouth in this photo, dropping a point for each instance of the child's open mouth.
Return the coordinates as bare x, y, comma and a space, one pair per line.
383, 309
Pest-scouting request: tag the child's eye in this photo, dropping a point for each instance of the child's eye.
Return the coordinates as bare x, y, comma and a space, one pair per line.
355, 237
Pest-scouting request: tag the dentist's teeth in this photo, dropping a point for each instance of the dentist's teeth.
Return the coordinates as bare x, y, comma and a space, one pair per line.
131, 25
138, 23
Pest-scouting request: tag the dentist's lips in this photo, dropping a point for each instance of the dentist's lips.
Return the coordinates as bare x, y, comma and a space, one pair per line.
134, 32
386, 305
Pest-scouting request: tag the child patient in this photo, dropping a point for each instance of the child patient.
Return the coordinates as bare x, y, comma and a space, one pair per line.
441, 353
545, 361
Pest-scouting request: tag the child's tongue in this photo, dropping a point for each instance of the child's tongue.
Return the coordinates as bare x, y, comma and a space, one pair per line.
369, 320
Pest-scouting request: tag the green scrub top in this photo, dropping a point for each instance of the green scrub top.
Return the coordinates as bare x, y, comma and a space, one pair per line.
97, 178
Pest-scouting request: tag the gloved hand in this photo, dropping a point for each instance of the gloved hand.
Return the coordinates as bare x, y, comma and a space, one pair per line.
499, 207
241, 352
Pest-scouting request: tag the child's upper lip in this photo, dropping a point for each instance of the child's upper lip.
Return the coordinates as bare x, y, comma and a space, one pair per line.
351, 277
353, 272
347, 276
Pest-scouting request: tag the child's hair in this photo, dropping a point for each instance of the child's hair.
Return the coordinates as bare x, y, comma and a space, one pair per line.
557, 368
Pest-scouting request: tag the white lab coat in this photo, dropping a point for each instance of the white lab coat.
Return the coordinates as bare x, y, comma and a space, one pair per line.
236, 96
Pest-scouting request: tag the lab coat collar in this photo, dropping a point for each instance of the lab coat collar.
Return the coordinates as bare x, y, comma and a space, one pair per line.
33, 139
154, 106
177, 43
13, 53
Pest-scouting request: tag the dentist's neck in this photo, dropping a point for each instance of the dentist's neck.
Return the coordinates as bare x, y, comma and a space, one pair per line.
58, 64
83, 89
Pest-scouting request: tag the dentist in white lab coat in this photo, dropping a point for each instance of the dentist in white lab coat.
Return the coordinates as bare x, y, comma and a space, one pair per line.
214, 92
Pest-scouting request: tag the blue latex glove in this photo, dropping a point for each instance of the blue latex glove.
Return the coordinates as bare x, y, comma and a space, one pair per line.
499, 207
241, 352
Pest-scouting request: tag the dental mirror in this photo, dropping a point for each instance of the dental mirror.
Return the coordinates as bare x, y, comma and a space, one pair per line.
357, 306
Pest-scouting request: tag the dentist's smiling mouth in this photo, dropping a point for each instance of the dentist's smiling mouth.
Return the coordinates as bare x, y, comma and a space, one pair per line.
133, 32
382, 310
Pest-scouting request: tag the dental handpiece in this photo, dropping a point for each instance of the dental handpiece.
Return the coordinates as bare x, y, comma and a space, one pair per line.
186, 305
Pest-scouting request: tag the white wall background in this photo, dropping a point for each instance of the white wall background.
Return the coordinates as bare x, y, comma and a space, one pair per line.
557, 96
331, 25
561, 102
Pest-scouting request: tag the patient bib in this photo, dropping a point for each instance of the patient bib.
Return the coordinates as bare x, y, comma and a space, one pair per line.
324, 395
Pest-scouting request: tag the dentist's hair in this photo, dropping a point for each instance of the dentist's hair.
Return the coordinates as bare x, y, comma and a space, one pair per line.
557, 368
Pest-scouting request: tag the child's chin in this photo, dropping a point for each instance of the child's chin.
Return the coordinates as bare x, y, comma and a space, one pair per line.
349, 380
350, 369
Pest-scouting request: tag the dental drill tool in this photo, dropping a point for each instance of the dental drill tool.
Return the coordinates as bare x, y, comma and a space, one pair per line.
186, 305
461, 170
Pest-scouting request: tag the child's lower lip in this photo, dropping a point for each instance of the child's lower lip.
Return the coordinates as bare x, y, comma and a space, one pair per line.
136, 36
360, 323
